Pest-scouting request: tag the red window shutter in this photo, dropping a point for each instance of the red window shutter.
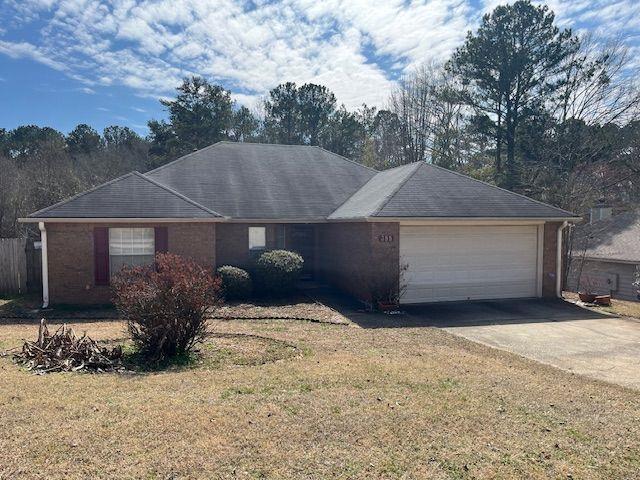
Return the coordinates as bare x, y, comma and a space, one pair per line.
101, 255
161, 240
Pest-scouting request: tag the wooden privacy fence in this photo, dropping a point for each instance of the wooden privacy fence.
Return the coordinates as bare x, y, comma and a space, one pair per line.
20, 266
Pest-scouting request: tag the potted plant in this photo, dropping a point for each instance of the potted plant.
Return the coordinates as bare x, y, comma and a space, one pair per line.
386, 293
588, 292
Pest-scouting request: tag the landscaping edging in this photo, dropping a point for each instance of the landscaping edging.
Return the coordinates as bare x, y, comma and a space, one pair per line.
276, 317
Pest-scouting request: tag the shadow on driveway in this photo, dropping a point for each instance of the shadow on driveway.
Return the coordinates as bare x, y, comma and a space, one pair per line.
458, 314
499, 312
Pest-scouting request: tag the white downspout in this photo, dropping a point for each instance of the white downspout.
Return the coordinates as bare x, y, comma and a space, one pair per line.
559, 260
45, 265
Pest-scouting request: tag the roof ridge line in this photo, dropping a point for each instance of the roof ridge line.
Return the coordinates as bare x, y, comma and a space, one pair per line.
186, 155
265, 143
503, 189
177, 194
398, 187
81, 194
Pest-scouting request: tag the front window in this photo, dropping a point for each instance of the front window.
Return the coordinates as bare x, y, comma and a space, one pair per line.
257, 238
130, 246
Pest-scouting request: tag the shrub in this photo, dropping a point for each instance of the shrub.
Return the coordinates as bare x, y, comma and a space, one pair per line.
236, 282
165, 304
277, 271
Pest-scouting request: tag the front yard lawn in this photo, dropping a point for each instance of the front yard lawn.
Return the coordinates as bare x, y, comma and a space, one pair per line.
350, 403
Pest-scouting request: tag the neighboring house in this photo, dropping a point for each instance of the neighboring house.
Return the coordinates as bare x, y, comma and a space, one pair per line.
460, 239
606, 254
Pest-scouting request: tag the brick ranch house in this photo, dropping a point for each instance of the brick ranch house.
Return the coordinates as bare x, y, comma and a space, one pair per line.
453, 237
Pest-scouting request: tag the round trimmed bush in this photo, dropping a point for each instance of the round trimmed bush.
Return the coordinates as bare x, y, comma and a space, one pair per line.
277, 272
236, 282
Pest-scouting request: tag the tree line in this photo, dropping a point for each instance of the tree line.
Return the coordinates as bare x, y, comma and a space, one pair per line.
521, 103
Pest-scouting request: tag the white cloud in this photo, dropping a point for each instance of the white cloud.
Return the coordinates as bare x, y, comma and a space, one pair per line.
355, 47
24, 49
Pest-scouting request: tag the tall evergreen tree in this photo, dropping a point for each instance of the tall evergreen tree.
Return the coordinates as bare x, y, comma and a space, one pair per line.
200, 115
298, 115
83, 140
511, 64
244, 125
283, 119
316, 103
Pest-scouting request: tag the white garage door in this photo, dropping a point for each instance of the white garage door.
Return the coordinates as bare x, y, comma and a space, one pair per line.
448, 263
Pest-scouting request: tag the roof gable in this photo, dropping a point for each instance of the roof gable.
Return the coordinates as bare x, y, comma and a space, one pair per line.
375, 194
130, 196
263, 181
436, 192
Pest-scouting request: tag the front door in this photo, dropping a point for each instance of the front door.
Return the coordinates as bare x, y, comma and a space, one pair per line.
303, 241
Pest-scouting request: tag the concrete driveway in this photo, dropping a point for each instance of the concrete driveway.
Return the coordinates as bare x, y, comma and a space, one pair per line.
553, 332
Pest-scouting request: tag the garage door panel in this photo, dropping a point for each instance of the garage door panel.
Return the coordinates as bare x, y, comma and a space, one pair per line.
486, 262
456, 292
469, 262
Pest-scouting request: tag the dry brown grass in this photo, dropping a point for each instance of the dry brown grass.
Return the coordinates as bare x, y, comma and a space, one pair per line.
378, 403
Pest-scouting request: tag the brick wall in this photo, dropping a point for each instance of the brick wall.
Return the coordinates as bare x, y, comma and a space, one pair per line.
71, 261
359, 257
549, 257
355, 257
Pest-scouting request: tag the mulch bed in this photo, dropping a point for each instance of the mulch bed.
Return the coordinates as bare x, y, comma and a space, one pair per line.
303, 311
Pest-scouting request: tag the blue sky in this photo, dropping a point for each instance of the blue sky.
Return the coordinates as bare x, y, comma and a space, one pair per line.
64, 62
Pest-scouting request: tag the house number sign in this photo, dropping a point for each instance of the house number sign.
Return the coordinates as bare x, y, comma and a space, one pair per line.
385, 238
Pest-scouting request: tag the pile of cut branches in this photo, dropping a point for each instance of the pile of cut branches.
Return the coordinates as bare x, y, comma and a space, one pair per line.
64, 352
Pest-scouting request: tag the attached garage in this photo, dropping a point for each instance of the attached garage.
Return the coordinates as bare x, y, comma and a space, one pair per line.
470, 262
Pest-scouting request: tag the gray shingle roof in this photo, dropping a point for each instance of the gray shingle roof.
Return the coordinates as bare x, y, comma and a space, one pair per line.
424, 190
616, 238
254, 181
287, 182
130, 196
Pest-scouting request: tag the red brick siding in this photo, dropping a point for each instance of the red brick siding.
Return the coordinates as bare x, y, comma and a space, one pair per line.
343, 250
194, 240
549, 256
349, 255
353, 257
71, 263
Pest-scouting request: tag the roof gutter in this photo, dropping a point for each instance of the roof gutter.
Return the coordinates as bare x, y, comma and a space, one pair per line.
121, 220
434, 220
612, 260
559, 259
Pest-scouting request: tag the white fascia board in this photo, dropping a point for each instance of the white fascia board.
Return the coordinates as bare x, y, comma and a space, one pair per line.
121, 220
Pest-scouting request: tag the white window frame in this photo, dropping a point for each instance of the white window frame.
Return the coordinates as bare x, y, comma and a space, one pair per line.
257, 238
130, 246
